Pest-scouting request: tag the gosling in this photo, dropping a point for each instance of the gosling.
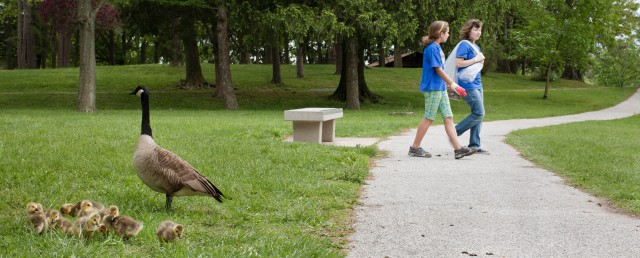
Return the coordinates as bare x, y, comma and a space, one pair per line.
36, 217
87, 225
169, 231
124, 226
74, 209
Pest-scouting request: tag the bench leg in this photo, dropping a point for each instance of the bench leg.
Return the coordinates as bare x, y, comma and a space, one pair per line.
328, 130
305, 131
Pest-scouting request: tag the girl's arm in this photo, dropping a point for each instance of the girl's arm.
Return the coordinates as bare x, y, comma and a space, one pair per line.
450, 83
445, 77
461, 62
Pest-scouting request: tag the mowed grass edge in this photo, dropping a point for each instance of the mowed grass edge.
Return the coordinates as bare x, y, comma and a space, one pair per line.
600, 157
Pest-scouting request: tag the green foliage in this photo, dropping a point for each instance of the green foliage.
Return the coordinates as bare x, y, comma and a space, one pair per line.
619, 65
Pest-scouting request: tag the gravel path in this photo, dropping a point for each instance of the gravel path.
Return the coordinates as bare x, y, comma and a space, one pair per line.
497, 205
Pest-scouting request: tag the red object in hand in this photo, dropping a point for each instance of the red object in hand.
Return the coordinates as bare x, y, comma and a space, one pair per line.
461, 91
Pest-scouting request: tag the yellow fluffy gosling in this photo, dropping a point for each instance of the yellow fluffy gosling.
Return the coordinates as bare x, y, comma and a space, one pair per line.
87, 225
36, 217
123, 226
73, 209
169, 231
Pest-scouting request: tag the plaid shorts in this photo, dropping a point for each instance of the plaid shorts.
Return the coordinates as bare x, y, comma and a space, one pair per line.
436, 101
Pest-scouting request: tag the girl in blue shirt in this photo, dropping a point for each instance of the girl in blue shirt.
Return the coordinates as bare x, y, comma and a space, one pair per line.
433, 85
468, 54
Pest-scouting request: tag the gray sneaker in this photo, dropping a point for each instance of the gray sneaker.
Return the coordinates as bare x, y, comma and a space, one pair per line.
464, 151
481, 151
418, 152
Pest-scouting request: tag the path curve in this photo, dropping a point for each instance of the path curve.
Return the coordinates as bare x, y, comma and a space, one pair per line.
499, 205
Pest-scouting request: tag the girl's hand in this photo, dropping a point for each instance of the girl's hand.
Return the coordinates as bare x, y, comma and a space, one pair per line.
478, 58
458, 90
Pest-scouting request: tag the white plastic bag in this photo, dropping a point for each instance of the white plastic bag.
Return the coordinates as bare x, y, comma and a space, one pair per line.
469, 73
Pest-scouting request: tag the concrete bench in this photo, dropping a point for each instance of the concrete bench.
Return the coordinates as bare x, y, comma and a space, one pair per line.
315, 125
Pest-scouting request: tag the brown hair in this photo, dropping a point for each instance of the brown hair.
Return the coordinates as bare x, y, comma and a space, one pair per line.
466, 28
435, 29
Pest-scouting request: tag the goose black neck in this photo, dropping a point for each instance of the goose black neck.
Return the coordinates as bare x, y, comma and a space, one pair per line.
146, 122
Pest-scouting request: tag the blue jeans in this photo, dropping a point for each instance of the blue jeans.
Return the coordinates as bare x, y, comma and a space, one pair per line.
475, 100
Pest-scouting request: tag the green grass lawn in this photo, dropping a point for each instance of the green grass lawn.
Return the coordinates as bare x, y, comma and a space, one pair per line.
285, 199
600, 157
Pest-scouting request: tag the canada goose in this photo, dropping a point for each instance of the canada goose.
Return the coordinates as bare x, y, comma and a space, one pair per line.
162, 170
36, 217
169, 231
73, 209
87, 225
124, 226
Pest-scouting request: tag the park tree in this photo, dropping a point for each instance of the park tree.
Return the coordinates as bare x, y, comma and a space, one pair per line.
298, 20
61, 16
557, 33
224, 85
26, 35
400, 33
302, 22
618, 65
87, 13
362, 21
8, 21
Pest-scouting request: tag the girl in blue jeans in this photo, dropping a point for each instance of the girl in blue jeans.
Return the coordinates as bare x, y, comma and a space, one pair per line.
433, 85
467, 54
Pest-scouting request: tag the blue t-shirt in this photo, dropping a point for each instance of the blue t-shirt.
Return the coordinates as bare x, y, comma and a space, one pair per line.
465, 50
433, 57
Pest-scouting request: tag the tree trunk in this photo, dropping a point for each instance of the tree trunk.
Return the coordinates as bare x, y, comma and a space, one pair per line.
331, 54
23, 32
111, 46
397, 56
382, 58
245, 57
156, 49
319, 53
223, 61
299, 61
546, 85
351, 74
19, 40
286, 53
176, 48
87, 86
194, 78
268, 56
64, 48
339, 54
30, 38
340, 94
53, 48
143, 52
572, 73
276, 75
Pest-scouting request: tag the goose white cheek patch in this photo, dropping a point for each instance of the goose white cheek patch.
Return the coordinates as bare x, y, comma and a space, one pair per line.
139, 92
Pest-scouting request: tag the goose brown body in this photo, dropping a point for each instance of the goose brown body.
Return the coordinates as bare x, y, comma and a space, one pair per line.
162, 170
